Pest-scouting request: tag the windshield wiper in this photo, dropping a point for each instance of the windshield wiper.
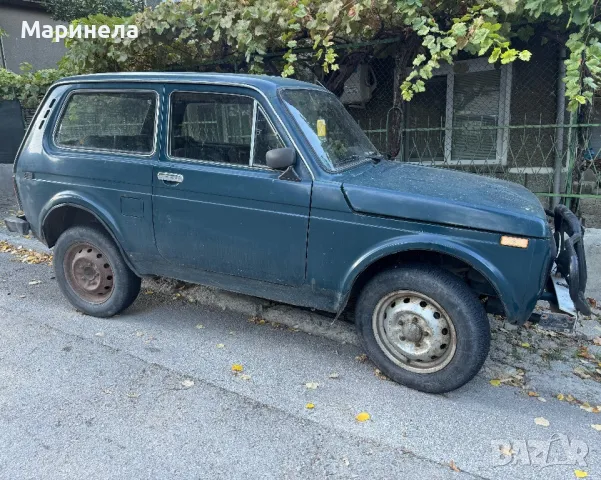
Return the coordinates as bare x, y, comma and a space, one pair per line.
358, 157
376, 158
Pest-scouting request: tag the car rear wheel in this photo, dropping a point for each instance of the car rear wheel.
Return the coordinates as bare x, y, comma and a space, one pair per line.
423, 327
91, 272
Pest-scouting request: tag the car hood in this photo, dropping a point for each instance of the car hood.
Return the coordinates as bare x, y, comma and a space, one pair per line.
444, 196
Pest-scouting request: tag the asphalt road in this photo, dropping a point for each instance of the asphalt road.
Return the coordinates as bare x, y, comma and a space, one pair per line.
82, 397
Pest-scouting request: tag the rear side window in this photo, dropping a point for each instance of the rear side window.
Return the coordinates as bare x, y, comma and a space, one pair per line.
117, 121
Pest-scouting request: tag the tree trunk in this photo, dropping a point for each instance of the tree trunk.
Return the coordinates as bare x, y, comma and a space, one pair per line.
404, 55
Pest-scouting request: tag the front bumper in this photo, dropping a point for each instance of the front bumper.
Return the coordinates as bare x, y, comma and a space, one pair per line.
570, 260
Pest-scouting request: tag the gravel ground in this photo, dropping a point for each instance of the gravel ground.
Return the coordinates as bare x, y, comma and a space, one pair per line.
151, 393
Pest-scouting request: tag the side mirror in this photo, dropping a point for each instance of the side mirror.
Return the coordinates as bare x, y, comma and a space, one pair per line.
280, 158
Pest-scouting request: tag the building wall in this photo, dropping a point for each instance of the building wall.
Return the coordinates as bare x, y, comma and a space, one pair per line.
40, 52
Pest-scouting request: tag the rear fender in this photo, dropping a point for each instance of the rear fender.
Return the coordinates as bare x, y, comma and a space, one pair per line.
89, 204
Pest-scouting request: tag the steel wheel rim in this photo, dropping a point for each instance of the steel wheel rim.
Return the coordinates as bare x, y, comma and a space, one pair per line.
411, 329
89, 273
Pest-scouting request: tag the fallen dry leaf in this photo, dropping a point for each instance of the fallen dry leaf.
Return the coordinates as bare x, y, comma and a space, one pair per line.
310, 406
588, 408
334, 375
35, 282
560, 397
257, 320
453, 467
362, 417
525, 345
187, 383
236, 367
200, 325
244, 376
580, 474
533, 394
312, 385
132, 394
506, 450
25, 255
380, 375
581, 373
495, 382
148, 292
361, 358
597, 340
220, 345
543, 422
596, 426
584, 353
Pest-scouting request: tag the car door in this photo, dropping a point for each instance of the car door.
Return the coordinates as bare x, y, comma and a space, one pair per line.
216, 206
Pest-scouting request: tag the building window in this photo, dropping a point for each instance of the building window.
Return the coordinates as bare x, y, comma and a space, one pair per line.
459, 120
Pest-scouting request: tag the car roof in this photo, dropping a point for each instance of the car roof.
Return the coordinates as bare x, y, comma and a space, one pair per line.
260, 82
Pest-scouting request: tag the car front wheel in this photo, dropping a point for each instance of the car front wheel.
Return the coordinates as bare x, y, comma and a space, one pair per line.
423, 327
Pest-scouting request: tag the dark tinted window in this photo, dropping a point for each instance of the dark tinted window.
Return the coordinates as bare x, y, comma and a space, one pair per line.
123, 121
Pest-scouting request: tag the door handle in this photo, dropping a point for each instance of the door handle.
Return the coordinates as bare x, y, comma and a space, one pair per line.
170, 178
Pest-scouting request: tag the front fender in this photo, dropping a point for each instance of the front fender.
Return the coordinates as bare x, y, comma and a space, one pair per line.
504, 288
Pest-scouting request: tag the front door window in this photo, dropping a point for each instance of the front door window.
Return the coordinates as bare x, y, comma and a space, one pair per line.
213, 127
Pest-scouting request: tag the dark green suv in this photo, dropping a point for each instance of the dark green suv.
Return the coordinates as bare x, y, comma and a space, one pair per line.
266, 186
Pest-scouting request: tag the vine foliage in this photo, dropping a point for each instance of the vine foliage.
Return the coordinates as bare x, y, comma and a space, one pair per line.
191, 34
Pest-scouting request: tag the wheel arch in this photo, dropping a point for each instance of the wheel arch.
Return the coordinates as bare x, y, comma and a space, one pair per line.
432, 251
65, 211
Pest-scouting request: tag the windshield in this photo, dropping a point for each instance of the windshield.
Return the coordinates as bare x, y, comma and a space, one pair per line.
334, 135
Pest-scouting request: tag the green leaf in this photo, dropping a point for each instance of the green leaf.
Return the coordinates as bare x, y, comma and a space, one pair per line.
494, 56
459, 29
525, 55
449, 42
419, 59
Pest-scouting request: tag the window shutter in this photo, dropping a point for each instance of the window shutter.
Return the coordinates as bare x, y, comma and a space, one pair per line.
475, 116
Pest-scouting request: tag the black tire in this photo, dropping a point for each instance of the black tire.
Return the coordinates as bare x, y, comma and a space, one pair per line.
124, 284
461, 307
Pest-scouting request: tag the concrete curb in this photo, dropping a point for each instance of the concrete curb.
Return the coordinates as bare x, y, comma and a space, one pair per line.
592, 246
